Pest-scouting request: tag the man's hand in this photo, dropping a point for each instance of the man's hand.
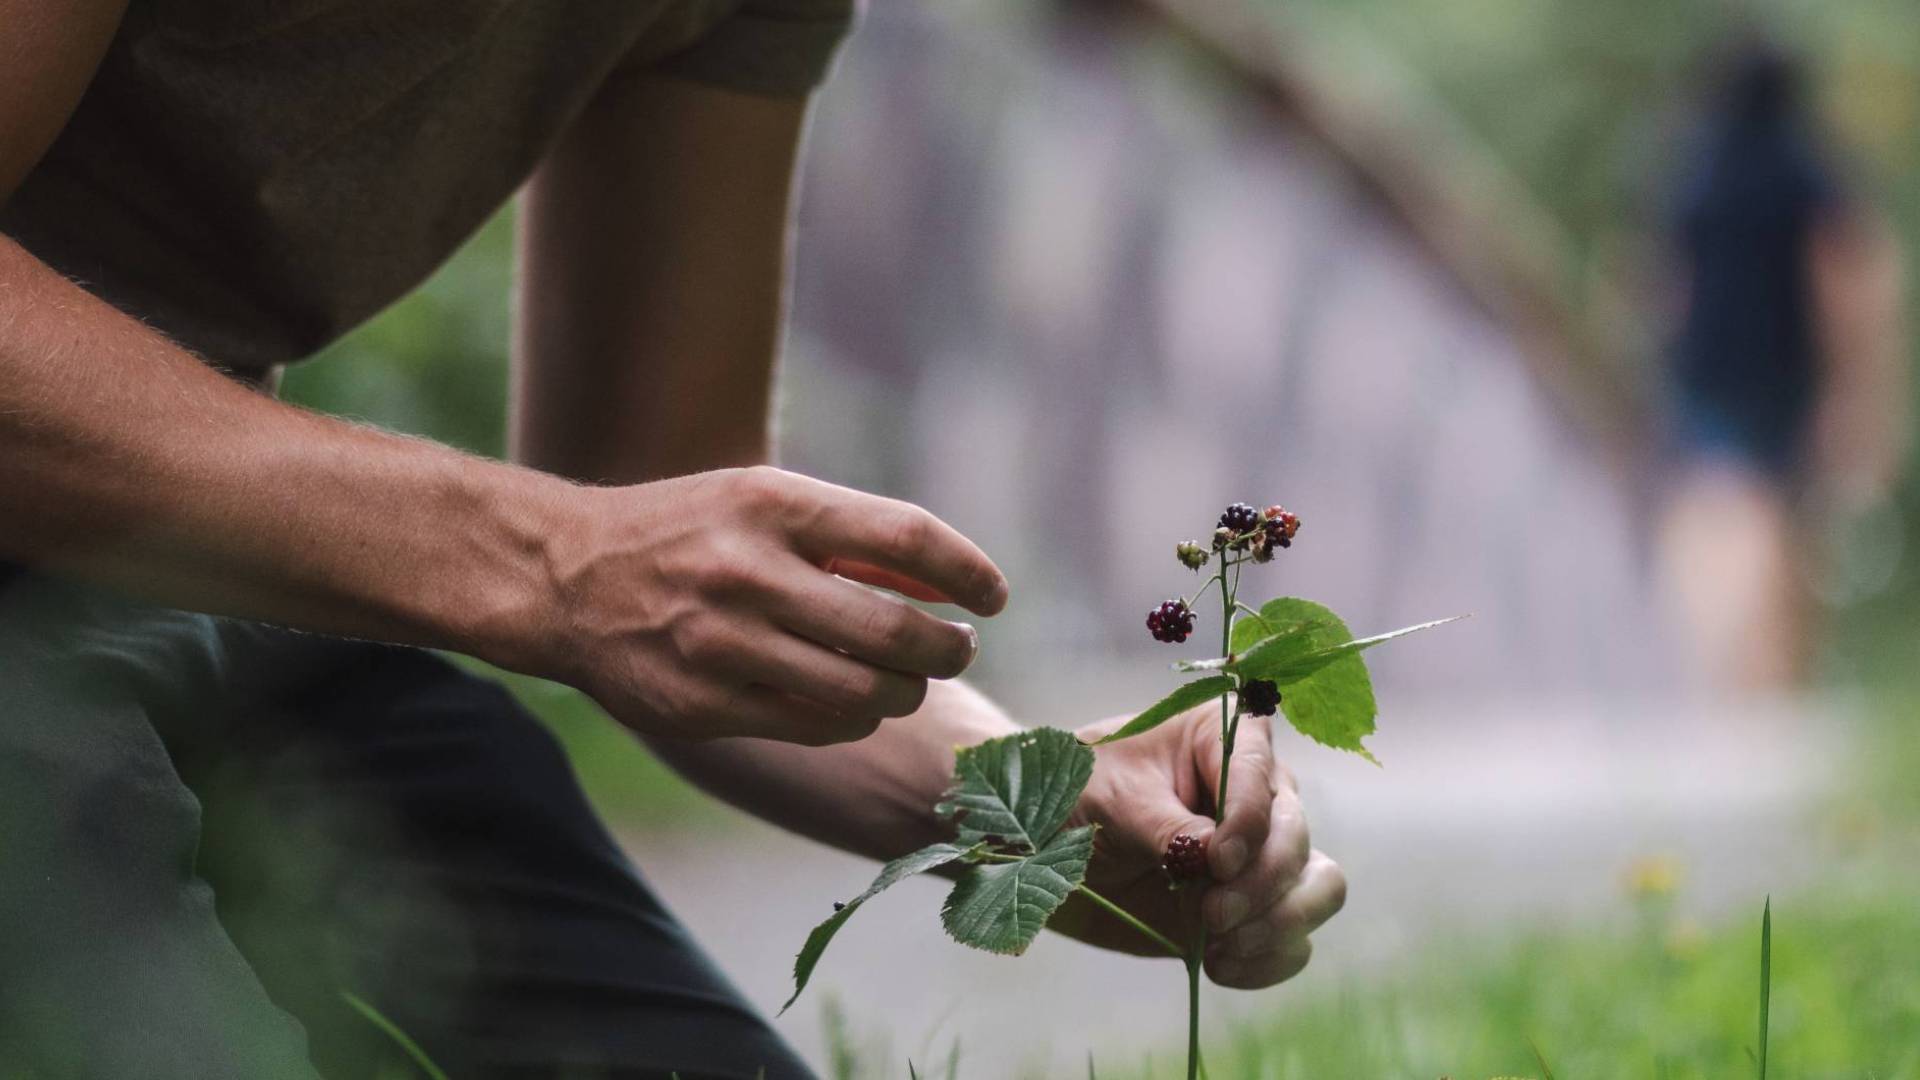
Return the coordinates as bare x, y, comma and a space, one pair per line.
1270, 888
719, 605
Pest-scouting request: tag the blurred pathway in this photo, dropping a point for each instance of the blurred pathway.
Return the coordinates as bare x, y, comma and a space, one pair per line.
1483, 819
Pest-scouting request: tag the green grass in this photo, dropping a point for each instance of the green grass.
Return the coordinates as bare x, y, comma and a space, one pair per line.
1845, 1003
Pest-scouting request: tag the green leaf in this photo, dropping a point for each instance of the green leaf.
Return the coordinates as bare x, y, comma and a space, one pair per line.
1002, 906
1287, 617
1311, 644
1017, 790
927, 858
1186, 697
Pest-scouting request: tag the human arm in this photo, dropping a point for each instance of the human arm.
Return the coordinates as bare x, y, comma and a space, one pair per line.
633, 361
127, 461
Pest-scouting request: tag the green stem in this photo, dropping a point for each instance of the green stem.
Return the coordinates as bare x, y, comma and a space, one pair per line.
1219, 576
1126, 916
1193, 1014
1227, 725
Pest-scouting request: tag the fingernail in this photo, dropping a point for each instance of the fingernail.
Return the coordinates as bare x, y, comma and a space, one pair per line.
997, 598
1251, 939
1231, 857
1226, 912
973, 640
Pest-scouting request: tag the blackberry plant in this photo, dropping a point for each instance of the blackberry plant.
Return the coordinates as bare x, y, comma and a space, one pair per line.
1013, 858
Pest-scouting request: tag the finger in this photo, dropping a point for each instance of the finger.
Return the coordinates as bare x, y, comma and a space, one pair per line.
1319, 895
870, 626
847, 686
885, 579
901, 539
1276, 965
1278, 866
762, 712
1245, 819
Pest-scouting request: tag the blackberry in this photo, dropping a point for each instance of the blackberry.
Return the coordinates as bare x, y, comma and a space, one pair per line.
1240, 518
1185, 860
1171, 622
1281, 524
1259, 697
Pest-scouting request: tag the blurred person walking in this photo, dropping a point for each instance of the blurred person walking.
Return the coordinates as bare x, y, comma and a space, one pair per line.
1788, 374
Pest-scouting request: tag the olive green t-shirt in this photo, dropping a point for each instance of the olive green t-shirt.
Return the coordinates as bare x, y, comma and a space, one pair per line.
256, 177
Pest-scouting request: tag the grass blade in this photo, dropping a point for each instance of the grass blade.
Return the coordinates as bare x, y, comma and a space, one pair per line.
1766, 979
1546, 1071
377, 1019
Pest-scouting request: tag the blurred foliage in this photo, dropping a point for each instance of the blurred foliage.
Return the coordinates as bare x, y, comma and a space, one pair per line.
1586, 104
434, 364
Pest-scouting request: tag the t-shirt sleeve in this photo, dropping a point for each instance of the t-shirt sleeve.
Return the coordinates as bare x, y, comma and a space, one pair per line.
776, 48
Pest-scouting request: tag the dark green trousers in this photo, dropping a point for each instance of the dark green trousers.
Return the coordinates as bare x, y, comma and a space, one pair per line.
210, 829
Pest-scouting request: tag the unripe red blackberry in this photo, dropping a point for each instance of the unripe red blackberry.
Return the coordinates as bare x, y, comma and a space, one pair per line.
1185, 860
1191, 555
1281, 525
1171, 622
1240, 518
1259, 697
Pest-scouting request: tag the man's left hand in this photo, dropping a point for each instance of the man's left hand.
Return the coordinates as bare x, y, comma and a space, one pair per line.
1269, 890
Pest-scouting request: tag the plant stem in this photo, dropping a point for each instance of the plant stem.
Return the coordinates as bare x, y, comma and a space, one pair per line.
1126, 916
1219, 576
1228, 722
1193, 1012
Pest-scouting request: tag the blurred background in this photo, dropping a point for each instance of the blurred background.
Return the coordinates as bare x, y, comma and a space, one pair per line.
1588, 319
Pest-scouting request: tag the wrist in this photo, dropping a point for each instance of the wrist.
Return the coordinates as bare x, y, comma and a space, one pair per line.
513, 524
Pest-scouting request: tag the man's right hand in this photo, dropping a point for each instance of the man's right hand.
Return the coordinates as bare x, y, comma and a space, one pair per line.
720, 604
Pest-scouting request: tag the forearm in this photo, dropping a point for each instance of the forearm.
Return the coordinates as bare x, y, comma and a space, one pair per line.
874, 797
126, 461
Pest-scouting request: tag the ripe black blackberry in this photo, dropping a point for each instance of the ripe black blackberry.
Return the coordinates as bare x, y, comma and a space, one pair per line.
1171, 622
1260, 697
1185, 860
1240, 518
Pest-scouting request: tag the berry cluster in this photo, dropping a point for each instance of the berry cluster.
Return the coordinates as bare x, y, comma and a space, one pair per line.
1235, 520
1171, 622
1260, 697
1242, 528
1277, 526
1185, 860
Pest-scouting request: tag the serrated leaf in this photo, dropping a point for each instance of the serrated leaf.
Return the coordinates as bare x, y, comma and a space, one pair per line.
1286, 617
1186, 697
1002, 906
931, 857
1283, 658
1017, 790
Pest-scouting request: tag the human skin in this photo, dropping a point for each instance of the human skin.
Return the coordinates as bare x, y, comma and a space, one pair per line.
641, 549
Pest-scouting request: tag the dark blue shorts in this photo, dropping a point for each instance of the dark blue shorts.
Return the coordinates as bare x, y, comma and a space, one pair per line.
211, 829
